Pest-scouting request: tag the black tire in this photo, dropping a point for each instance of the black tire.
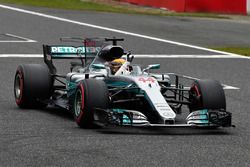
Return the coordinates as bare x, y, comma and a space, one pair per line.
33, 83
90, 94
207, 94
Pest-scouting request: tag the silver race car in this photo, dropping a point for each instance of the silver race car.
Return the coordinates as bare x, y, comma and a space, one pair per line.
104, 88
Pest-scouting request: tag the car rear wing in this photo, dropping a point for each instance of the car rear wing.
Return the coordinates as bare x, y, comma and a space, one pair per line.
88, 50
51, 52
69, 52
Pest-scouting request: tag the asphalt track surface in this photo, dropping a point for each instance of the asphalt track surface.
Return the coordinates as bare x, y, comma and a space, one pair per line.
50, 137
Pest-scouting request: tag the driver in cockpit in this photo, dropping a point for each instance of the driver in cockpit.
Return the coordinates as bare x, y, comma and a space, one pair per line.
116, 64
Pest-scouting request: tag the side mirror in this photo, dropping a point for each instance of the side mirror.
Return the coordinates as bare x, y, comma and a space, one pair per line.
152, 66
98, 66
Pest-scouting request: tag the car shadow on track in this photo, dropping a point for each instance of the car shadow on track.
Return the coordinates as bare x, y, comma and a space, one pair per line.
54, 111
58, 112
165, 131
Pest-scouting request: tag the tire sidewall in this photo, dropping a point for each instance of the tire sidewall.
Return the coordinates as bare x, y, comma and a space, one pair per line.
94, 94
82, 115
210, 95
36, 84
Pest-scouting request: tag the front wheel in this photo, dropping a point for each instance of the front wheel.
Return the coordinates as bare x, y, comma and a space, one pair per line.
90, 94
207, 94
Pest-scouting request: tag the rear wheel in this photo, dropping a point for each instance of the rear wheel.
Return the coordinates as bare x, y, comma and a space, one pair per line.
90, 94
207, 94
33, 83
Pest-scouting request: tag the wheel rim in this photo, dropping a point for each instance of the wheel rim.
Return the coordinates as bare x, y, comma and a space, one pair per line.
196, 91
18, 87
78, 103
195, 97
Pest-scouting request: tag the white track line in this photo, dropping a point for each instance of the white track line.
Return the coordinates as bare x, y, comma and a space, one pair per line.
15, 41
146, 56
193, 56
114, 30
21, 55
225, 87
228, 87
22, 38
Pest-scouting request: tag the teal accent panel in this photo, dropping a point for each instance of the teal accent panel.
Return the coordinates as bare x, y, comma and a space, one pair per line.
126, 120
71, 87
204, 116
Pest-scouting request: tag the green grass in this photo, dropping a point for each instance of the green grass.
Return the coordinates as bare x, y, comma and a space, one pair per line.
237, 50
202, 15
67, 4
101, 7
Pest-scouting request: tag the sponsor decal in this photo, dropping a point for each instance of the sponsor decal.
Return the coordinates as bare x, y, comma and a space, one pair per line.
145, 80
73, 50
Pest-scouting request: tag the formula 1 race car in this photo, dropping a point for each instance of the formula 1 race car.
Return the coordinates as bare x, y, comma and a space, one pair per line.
130, 96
